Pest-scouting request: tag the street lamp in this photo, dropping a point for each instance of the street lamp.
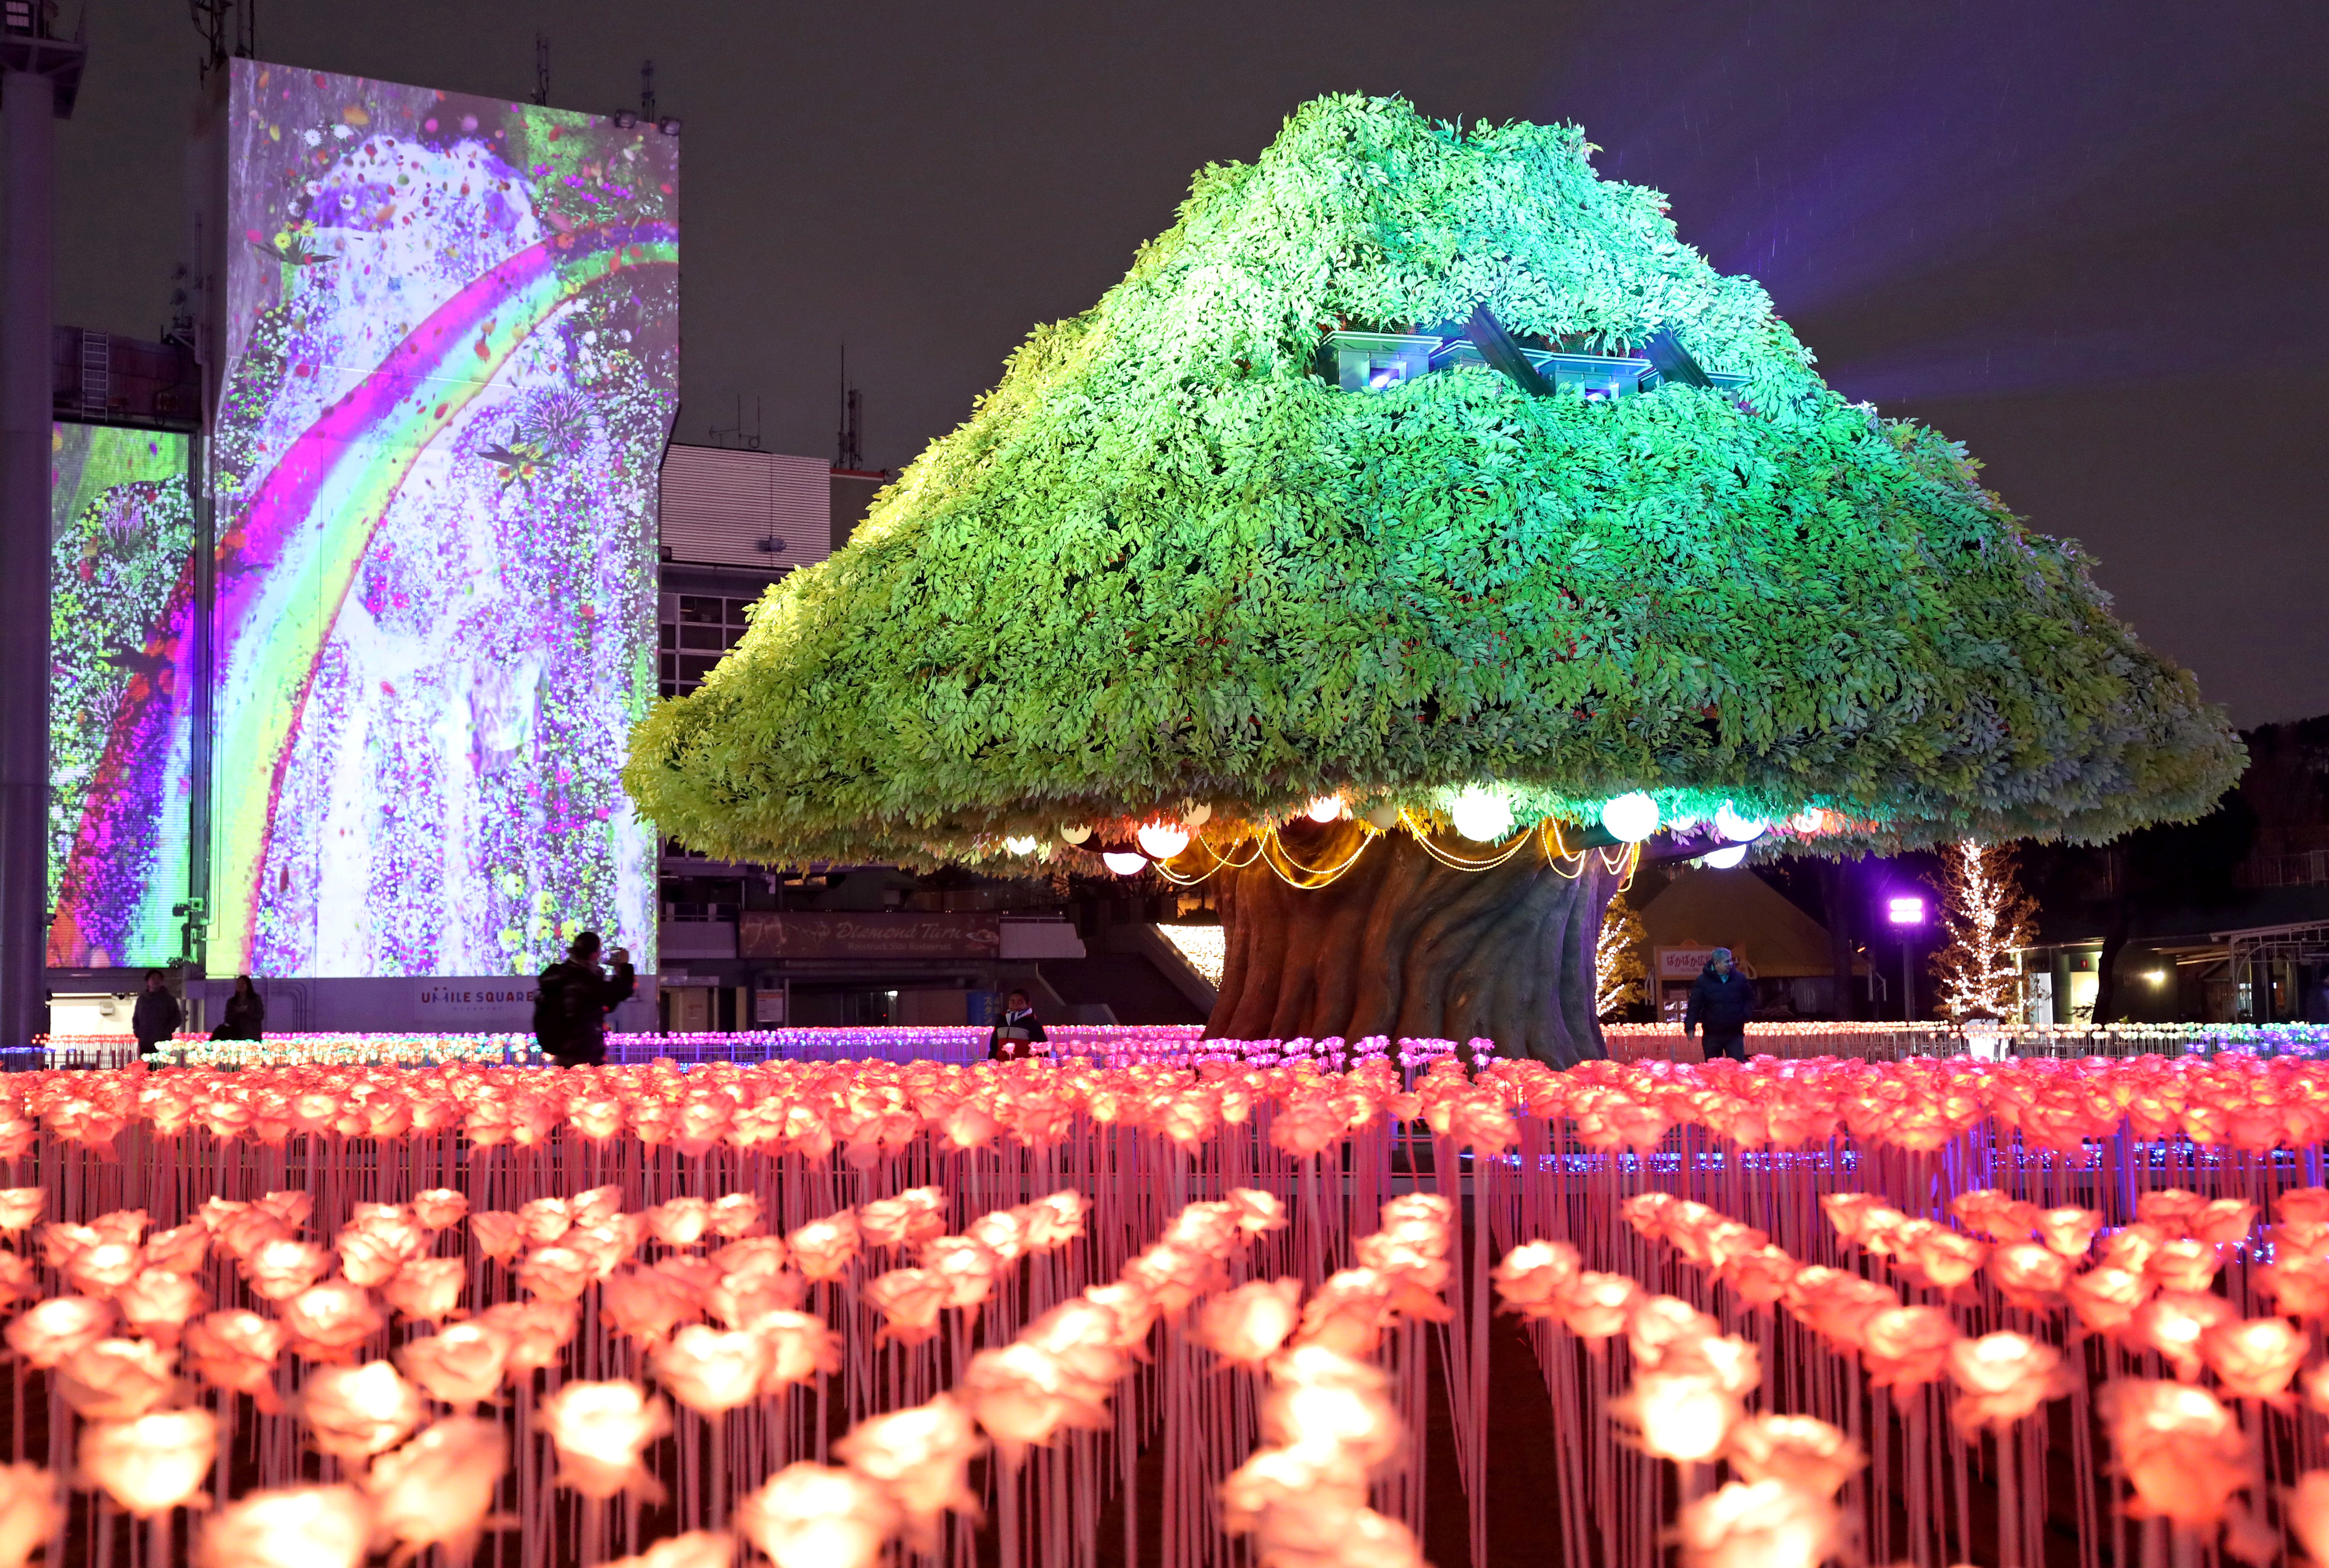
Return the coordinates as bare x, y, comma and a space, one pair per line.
1906, 911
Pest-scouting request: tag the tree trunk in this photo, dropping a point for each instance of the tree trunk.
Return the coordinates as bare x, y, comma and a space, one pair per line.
1404, 946
1834, 895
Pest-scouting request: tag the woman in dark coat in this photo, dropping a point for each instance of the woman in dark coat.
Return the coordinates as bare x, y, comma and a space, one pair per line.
246, 1013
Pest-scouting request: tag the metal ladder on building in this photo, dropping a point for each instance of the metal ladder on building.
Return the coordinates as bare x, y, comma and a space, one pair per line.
96, 371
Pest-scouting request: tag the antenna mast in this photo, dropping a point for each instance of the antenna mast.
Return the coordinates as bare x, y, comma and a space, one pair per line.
849, 441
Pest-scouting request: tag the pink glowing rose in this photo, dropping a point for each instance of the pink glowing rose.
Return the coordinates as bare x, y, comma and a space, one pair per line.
800, 1346
1836, 1304
695, 1549
159, 1303
712, 1371
2106, 1295
435, 1489
824, 1248
2030, 1276
331, 1321
2002, 1377
236, 1350
1763, 1524
647, 1303
500, 1236
913, 1217
537, 1330
739, 1300
356, 1411
461, 1365
292, 1527
556, 1274
2172, 1323
967, 1267
46, 1334
152, 1463
181, 1250
2178, 1447
1052, 1221
1684, 1416
1247, 1326
735, 1215
2256, 1359
1906, 1345
1255, 1211
115, 1379
541, 1220
426, 1288
680, 1223
2068, 1232
813, 1516
369, 1258
1002, 1232
280, 1268
1533, 1277
1804, 1452
1598, 1306
1023, 1396
921, 1459
30, 1512
600, 1431
2305, 1506
104, 1267
440, 1208
1272, 1478
19, 1207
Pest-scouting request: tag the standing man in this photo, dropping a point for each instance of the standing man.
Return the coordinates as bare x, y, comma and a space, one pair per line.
569, 1015
156, 1017
1722, 1000
1017, 1032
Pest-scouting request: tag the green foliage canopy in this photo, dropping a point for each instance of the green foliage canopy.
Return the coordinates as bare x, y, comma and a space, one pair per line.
1168, 561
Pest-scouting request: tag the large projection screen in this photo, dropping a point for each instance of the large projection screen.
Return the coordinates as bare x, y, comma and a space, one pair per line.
121, 596
451, 357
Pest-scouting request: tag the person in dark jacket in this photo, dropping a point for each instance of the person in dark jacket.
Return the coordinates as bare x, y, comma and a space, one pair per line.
1722, 1001
156, 1017
1017, 1032
571, 1017
246, 1013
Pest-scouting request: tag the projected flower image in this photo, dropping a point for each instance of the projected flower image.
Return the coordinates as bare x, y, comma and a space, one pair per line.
121, 541
452, 361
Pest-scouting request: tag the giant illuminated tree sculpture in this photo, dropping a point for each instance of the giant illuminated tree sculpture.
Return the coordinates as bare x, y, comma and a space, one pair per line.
1419, 477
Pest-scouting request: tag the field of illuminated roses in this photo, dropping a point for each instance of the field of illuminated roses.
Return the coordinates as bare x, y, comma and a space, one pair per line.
1059, 1314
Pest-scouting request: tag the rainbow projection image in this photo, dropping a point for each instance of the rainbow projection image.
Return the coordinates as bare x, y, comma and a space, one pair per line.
452, 352
121, 552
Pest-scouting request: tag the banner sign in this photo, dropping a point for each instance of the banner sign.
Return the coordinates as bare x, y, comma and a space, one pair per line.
768, 934
1686, 963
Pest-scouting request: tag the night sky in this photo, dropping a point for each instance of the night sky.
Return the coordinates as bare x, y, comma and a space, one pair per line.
2088, 240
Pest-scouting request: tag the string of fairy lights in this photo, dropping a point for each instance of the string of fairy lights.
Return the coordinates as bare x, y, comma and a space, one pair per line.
1180, 852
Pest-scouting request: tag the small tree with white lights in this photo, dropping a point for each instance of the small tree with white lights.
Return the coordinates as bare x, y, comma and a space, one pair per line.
1618, 966
1988, 917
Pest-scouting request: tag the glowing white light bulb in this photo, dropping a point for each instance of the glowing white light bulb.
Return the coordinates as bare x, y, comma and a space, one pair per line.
1810, 820
1724, 858
1630, 818
1325, 808
1738, 828
1124, 863
1019, 843
1481, 815
1162, 840
1074, 833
